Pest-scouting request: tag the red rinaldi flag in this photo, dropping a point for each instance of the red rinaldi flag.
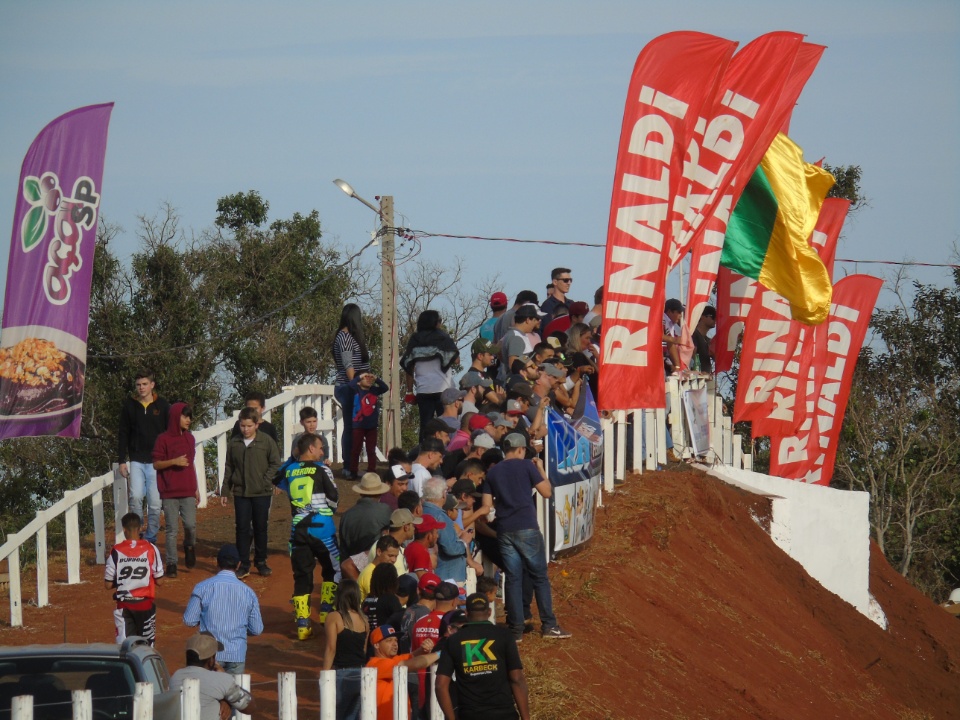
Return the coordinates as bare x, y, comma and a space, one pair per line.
758, 94
674, 80
734, 297
772, 385
810, 454
768, 346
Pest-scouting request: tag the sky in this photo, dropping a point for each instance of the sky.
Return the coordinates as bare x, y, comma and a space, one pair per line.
496, 119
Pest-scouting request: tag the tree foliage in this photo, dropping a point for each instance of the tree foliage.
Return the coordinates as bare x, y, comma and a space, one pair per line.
901, 437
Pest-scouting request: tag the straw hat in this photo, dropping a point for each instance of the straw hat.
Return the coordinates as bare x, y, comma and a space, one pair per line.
371, 484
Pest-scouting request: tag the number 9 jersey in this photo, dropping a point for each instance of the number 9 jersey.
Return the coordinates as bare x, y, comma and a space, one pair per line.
132, 567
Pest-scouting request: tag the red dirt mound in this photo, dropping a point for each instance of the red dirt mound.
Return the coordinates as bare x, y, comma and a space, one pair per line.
680, 607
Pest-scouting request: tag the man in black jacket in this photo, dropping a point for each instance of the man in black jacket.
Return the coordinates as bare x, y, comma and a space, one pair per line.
142, 418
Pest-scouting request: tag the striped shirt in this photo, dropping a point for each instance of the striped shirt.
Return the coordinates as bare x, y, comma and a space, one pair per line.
228, 610
346, 355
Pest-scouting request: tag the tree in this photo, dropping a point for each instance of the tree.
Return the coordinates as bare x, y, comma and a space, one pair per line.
901, 438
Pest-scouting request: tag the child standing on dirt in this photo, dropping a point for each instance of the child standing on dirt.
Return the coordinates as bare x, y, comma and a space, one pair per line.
367, 389
133, 569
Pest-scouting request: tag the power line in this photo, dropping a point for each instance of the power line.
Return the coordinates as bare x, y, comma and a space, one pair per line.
422, 233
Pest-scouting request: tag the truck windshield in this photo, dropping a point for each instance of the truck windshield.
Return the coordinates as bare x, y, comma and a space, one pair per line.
50, 680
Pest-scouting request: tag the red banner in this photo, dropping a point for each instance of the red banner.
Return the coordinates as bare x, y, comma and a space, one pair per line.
758, 93
674, 80
809, 455
734, 297
777, 350
766, 393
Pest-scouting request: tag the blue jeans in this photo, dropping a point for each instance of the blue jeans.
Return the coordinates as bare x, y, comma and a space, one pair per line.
143, 481
252, 512
344, 396
523, 551
233, 668
348, 693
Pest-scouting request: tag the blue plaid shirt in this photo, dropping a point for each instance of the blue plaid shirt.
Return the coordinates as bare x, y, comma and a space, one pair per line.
227, 609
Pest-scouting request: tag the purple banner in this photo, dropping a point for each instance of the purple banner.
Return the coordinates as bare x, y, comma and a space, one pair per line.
43, 342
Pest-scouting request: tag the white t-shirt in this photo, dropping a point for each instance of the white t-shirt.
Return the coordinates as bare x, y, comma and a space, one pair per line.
428, 377
419, 479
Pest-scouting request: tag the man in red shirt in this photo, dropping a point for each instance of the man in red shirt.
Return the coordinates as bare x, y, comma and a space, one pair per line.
133, 569
386, 658
173, 456
417, 553
427, 629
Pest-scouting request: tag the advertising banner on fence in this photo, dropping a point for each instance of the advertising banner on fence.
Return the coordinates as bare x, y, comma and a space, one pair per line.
43, 343
574, 466
696, 409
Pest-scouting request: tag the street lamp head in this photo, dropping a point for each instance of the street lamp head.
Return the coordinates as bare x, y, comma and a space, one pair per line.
345, 186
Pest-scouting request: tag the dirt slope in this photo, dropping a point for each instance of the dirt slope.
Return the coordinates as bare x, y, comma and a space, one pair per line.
681, 607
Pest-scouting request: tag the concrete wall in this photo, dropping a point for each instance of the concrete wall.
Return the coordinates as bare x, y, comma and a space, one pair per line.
825, 530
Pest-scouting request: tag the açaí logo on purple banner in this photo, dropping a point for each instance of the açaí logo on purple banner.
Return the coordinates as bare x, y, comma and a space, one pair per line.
71, 216
43, 341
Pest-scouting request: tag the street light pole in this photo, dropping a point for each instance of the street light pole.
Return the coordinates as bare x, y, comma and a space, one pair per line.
390, 331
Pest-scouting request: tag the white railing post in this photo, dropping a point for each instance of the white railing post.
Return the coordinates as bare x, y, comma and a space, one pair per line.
435, 712
289, 420
606, 427
120, 501
637, 423
244, 682
43, 595
22, 707
99, 538
328, 695
82, 705
650, 435
287, 695
368, 693
401, 699
221, 459
143, 701
661, 425
200, 464
621, 468
16, 602
190, 699
72, 531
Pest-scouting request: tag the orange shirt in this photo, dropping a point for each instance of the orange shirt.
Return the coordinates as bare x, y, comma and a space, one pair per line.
385, 668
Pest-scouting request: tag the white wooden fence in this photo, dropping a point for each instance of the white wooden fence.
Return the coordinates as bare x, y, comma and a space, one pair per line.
22, 705
647, 428
289, 402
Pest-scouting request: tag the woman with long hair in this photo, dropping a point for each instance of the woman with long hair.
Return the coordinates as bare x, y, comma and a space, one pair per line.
351, 358
427, 362
382, 602
345, 650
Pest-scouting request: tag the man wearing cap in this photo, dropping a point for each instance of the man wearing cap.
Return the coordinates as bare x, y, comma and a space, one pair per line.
476, 387
562, 323
386, 658
227, 609
362, 524
506, 320
403, 524
219, 692
427, 587
399, 480
516, 340
490, 680
484, 358
672, 315
427, 628
508, 488
498, 306
451, 552
452, 401
425, 537
428, 460
479, 442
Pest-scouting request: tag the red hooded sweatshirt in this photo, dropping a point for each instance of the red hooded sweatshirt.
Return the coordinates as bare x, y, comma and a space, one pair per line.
176, 482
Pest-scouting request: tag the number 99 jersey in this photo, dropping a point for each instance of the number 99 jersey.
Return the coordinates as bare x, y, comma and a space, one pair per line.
132, 567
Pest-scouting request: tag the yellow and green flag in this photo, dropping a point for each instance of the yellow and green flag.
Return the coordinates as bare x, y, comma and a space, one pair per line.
767, 238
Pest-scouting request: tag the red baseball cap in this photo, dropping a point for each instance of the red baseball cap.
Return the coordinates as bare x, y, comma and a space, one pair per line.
498, 301
479, 422
429, 581
428, 523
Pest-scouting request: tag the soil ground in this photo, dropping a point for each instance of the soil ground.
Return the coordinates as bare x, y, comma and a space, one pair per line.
681, 607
